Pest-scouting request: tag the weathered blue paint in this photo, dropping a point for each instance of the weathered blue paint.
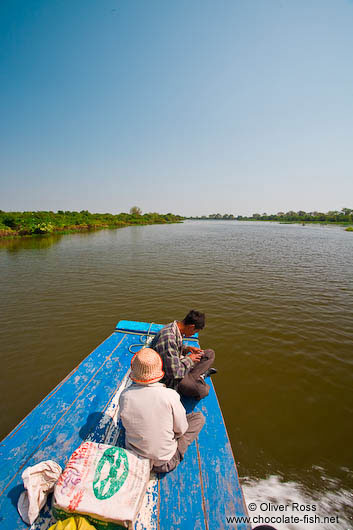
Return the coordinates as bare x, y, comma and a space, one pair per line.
181, 503
57, 426
198, 494
30, 433
218, 468
142, 327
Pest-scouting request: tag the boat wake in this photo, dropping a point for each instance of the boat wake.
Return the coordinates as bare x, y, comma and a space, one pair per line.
274, 502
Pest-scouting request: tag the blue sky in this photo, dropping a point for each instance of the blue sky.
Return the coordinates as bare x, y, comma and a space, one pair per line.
188, 106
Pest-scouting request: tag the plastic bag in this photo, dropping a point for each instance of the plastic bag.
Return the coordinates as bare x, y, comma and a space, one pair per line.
72, 523
39, 481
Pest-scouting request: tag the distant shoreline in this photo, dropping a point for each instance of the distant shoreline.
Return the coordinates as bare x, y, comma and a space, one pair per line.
333, 223
41, 223
34, 224
343, 217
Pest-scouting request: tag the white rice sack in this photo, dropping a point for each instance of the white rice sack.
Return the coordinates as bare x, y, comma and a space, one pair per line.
103, 481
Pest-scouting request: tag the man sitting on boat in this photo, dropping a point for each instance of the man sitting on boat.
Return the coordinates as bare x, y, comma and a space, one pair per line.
184, 373
156, 424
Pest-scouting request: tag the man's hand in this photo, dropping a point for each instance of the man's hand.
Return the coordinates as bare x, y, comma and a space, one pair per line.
194, 350
196, 357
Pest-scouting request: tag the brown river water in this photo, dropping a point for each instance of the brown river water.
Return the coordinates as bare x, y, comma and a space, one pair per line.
279, 306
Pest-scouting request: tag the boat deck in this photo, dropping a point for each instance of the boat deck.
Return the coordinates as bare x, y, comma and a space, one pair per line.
199, 494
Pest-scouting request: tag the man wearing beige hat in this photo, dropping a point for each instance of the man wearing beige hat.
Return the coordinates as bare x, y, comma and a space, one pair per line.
156, 424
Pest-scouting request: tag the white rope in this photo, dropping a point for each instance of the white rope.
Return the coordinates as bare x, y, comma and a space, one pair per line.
144, 339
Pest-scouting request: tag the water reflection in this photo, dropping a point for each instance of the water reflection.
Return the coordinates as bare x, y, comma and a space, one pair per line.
32, 242
45, 241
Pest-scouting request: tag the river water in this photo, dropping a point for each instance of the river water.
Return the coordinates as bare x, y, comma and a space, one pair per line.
279, 306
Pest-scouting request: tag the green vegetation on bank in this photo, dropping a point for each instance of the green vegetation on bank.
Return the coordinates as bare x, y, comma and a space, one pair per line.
344, 216
36, 223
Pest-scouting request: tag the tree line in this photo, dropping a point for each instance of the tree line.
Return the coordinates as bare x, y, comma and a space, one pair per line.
343, 216
47, 222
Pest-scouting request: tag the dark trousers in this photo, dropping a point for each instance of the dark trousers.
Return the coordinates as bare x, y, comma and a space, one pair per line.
192, 385
196, 421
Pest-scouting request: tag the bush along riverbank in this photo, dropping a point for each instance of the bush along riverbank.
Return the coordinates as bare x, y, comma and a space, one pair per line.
342, 217
18, 224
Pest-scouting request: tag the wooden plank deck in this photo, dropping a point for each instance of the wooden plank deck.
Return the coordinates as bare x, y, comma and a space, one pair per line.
198, 494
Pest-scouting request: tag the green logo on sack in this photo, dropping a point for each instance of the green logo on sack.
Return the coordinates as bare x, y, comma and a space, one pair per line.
111, 473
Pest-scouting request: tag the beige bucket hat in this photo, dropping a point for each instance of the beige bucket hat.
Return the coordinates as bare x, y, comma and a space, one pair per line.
146, 367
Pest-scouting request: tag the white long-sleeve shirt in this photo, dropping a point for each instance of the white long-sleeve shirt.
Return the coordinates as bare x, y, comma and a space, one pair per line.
154, 419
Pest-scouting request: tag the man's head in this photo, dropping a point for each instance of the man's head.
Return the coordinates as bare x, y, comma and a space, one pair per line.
193, 322
146, 367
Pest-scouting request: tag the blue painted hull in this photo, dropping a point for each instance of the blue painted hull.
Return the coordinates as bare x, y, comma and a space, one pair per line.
199, 494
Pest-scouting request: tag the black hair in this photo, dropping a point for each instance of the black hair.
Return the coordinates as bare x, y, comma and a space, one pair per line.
196, 318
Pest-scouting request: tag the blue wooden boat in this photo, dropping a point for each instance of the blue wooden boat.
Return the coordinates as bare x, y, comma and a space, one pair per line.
201, 493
